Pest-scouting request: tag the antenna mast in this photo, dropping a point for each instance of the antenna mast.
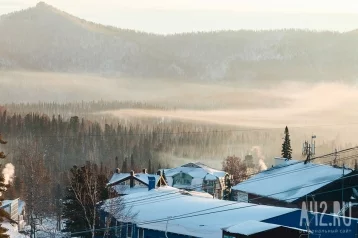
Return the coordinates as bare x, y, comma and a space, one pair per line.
309, 149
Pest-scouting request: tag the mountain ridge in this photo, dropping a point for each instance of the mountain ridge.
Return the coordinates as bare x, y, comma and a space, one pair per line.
44, 38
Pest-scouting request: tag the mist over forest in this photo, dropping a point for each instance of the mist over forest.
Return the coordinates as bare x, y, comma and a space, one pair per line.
73, 91
218, 80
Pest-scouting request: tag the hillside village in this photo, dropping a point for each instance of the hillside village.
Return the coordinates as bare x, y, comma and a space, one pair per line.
103, 133
291, 198
196, 200
266, 205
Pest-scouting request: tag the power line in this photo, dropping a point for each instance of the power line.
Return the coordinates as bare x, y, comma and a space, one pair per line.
295, 163
172, 194
159, 200
267, 177
255, 180
188, 215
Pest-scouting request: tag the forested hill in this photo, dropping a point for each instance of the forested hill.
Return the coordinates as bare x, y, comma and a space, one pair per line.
44, 38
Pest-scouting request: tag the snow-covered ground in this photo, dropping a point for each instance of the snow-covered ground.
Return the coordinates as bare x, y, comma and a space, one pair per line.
12, 230
46, 230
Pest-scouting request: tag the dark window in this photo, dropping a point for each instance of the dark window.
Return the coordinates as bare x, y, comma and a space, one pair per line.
141, 233
129, 230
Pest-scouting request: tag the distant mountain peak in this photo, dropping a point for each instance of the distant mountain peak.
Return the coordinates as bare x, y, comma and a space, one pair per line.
43, 4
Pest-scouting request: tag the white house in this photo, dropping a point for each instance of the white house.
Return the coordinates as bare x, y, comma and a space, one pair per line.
16, 209
198, 177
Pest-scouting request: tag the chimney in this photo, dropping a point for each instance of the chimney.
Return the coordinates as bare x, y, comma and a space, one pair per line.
117, 170
131, 179
144, 171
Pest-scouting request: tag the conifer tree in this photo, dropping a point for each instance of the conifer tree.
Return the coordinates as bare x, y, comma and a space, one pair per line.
3, 187
87, 188
286, 151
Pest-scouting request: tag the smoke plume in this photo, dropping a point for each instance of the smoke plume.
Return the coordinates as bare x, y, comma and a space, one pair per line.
8, 173
257, 152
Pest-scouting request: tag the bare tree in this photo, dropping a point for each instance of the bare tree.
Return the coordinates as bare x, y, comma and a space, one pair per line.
117, 212
2, 154
87, 187
37, 192
86, 193
3, 188
236, 167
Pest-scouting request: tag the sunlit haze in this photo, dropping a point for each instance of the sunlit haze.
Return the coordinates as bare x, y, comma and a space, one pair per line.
169, 16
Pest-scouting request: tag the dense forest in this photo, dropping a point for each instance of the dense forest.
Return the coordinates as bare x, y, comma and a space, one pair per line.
45, 140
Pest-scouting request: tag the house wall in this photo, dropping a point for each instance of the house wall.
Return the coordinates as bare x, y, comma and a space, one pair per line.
13, 210
122, 232
148, 233
240, 196
182, 179
322, 225
213, 187
280, 232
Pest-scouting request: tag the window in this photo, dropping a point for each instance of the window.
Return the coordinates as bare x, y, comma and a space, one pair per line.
129, 231
182, 179
118, 229
227, 236
209, 186
140, 233
242, 197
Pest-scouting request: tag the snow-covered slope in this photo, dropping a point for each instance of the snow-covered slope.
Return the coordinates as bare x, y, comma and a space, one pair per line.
45, 38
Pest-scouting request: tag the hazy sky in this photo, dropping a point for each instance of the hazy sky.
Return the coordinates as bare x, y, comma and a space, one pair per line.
169, 16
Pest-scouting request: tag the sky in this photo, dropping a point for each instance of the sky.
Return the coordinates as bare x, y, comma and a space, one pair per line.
173, 16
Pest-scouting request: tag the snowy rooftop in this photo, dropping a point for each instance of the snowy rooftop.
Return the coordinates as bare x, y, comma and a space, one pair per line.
6, 203
143, 177
196, 170
207, 216
251, 227
198, 194
125, 189
117, 177
290, 180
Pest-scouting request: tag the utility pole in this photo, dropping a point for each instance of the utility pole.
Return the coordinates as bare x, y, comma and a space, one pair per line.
307, 152
335, 157
342, 184
313, 145
309, 149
